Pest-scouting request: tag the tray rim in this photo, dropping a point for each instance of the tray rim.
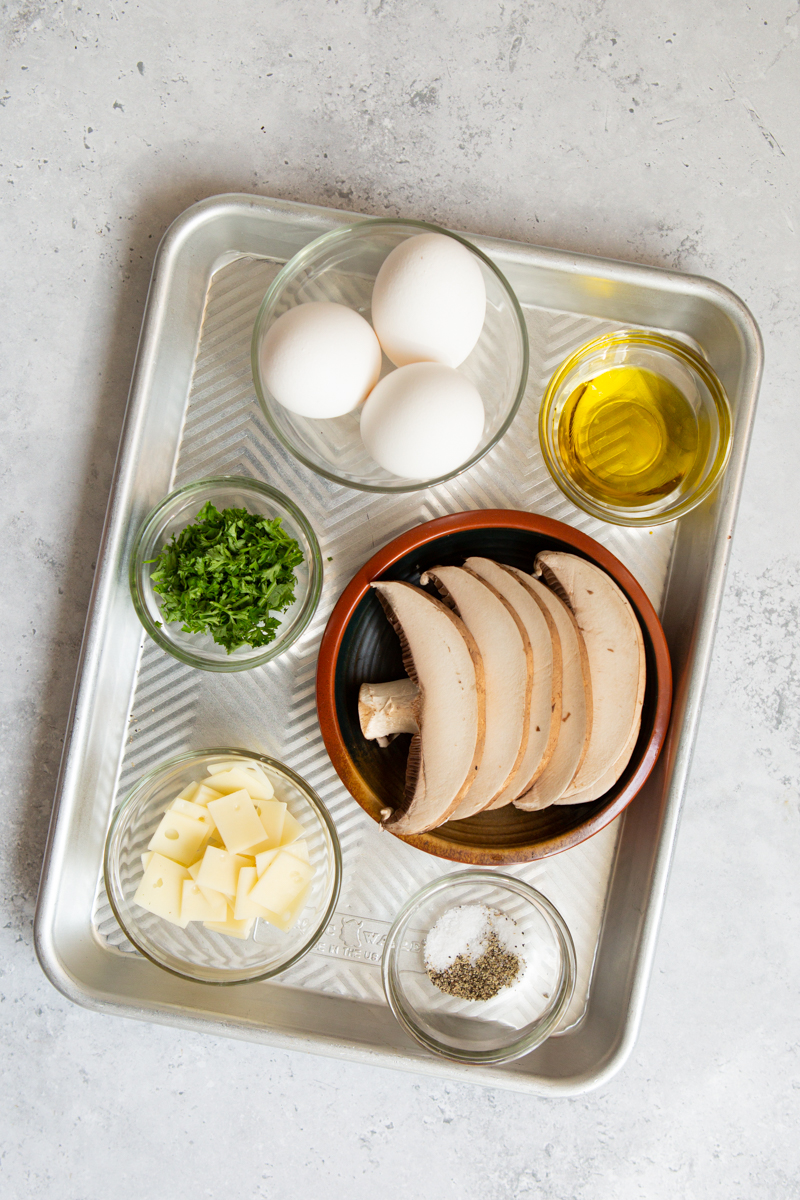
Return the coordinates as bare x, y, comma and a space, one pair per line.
313, 220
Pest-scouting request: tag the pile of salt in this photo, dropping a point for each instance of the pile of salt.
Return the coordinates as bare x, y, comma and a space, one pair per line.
473, 951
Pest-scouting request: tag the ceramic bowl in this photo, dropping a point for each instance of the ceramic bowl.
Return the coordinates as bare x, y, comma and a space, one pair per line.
359, 644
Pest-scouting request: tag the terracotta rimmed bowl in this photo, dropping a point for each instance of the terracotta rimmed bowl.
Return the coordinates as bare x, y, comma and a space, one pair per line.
359, 645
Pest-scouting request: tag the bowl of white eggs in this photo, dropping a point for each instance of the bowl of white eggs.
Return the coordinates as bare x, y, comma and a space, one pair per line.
390, 356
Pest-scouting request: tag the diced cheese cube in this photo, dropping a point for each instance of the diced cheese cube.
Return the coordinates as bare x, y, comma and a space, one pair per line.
282, 882
161, 888
201, 904
237, 778
148, 854
263, 859
233, 764
189, 792
179, 838
196, 811
232, 927
272, 814
299, 850
285, 920
204, 794
237, 821
292, 830
219, 870
245, 907
210, 893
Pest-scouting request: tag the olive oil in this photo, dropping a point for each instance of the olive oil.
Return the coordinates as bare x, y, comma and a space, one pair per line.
628, 436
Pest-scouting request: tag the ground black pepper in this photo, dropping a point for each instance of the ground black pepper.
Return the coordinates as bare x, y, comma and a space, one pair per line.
480, 980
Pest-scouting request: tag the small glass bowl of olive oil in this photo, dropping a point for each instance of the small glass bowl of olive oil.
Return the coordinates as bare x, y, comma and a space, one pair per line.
635, 428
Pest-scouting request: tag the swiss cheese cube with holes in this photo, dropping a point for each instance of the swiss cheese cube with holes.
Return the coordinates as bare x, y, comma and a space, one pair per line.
238, 777
199, 904
238, 822
220, 869
281, 883
196, 811
285, 920
210, 893
263, 859
179, 838
160, 890
204, 794
231, 764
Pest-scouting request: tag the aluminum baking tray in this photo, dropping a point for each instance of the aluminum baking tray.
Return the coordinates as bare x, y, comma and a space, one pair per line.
192, 412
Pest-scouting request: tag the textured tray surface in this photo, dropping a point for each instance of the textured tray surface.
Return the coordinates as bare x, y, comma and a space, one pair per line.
272, 708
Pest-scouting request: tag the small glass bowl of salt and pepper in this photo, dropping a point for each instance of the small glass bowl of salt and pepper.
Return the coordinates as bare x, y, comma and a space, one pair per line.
479, 967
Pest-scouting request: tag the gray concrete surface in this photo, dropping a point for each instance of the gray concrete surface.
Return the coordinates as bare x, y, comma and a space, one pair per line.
666, 134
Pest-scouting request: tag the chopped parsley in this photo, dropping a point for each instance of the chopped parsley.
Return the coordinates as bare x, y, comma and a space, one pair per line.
225, 574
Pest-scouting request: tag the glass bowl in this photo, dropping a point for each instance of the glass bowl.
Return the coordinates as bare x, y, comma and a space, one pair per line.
615, 498
341, 267
521, 1016
196, 952
177, 511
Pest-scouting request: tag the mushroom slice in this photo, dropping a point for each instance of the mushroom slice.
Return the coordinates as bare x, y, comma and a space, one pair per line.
615, 649
576, 702
443, 661
607, 781
508, 668
544, 712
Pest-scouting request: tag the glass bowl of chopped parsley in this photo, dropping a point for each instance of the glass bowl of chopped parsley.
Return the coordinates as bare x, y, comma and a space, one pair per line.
226, 573
480, 967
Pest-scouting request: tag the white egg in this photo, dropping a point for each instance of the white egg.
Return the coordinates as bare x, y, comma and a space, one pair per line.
320, 359
429, 301
422, 420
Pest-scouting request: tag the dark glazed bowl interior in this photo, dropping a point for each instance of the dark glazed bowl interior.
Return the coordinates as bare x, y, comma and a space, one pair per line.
360, 646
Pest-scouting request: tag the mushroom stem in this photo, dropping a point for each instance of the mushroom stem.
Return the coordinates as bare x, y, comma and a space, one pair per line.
386, 709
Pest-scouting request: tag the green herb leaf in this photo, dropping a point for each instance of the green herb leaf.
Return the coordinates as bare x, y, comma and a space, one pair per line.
224, 574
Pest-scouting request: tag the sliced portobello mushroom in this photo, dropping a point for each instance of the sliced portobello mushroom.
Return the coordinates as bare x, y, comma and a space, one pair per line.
576, 703
544, 712
443, 661
505, 650
615, 649
607, 781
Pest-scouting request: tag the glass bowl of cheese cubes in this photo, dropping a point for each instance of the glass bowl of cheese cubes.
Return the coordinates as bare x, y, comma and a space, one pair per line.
223, 866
